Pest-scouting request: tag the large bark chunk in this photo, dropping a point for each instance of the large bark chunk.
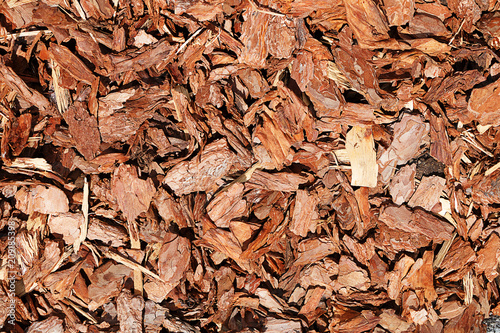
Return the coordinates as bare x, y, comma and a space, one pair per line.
201, 173
132, 194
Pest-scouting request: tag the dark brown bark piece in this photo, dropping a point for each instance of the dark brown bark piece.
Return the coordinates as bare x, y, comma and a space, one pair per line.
84, 130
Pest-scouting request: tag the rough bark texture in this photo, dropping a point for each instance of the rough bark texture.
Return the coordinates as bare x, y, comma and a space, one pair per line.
249, 166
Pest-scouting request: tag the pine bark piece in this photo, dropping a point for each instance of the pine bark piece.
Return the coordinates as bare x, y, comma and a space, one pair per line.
427, 26
399, 12
361, 152
144, 58
351, 277
488, 258
421, 278
428, 192
303, 69
256, 84
42, 267
315, 275
154, 315
121, 113
305, 214
42, 199
101, 164
243, 231
314, 249
484, 104
169, 209
392, 322
132, 194
457, 261
363, 252
268, 301
486, 190
129, 309
71, 63
409, 134
4, 306
357, 322
367, 21
227, 205
173, 324
402, 185
283, 181
451, 310
403, 230
106, 283
468, 321
222, 241
119, 39
50, 325
281, 37
396, 276
347, 211
202, 172
434, 9
276, 143
19, 133
311, 309
113, 235
66, 224
274, 325
15, 83
446, 89
174, 259
468, 11
254, 52
378, 272
84, 129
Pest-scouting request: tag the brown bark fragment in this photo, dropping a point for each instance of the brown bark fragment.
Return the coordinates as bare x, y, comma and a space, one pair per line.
487, 258
274, 325
399, 12
305, 214
367, 21
129, 309
227, 205
428, 193
174, 259
15, 83
402, 185
84, 130
409, 134
201, 173
402, 229
67, 224
106, 282
42, 199
486, 190
50, 325
133, 195
457, 261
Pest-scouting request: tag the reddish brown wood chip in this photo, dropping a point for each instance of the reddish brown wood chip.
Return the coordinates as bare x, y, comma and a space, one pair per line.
201, 173
305, 214
129, 312
133, 195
